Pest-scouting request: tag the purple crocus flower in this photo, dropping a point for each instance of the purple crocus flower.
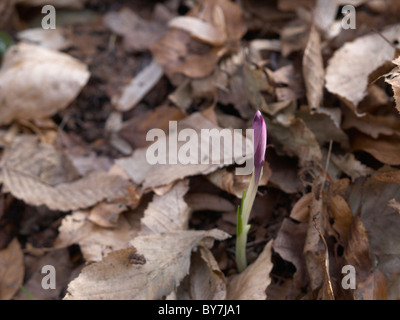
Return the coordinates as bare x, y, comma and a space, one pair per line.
260, 144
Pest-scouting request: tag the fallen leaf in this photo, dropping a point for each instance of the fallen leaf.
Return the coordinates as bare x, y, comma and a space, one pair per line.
11, 270
252, 283
381, 223
393, 79
95, 241
348, 164
372, 125
384, 149
357, 254
235, 184
106, 214
395, 205
168, 212
313, 69
179, 52
289, 244
167, 263
348, 70
53, 39
37, 83
205, 280
138, 34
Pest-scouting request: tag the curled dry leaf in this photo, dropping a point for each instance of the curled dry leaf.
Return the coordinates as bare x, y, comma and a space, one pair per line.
53, 39
11, 270
205, 280
106, 214
393, 79
348, 164
40, 175
168, 212
252, 283
384, 149
348, 70
313, 69
37, 83
95, 241
167, 263
179, 52
235, 184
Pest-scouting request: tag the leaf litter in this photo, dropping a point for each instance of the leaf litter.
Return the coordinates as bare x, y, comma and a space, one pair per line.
78, 192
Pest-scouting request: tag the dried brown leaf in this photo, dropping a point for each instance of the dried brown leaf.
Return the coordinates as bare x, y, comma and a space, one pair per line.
11, 270
381, 223
313, 70
167, 263
168, 212
205, 280
37, 83
252, 283
95, 241
348, 70
384, 149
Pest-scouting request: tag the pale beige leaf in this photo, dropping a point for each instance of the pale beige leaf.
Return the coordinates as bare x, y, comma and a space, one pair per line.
350, 165
385, 149
235, 184
167, 263
199, 29
53, 39
142, 172
313, 70
348, 69
37, 83
81, 193
205, 281
140, 85
95, 242
252, 283
394, 204
106, 214
11, 270
168, 212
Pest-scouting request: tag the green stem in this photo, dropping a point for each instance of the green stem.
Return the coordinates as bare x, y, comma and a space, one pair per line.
242, 225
